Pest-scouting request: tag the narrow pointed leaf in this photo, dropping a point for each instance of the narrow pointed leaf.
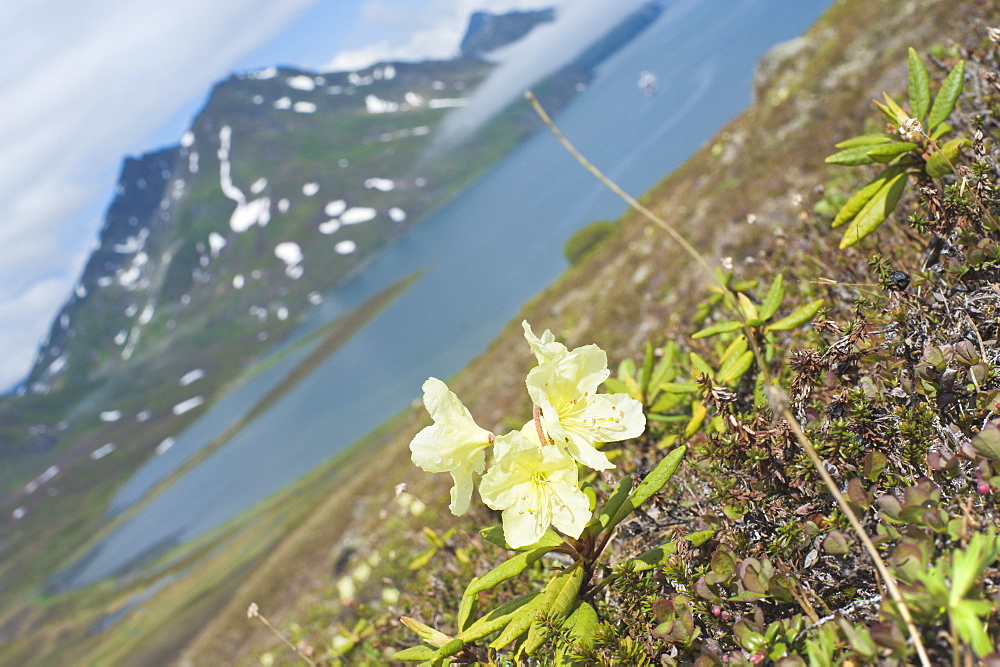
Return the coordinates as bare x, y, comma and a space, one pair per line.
749, 309
920, 86
614, 502
646, 372
700, 365
718, 328
892, 110
496, 619
773, 298
656, 557
448, 650
494, 534
866, 140
561, 594
875, 211
947, 97
735, 349
942, 162
854, 156
653, 482
508, 569
582, 626
889, 152
798, 317
519, 624
698, 413
666, 402
425, 632
414, 653
467, 606
732, 373
860, 198
941, 130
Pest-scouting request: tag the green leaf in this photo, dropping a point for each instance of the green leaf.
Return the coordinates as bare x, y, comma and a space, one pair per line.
860, 198
497, 619
731, 373
941, 162
615, 386
947, 97
798, 317
889, 152
510, 568
494, 534
680, 387
892, 111
646, 372
582, 626
426, 633
749, 310
449, 649
664, 370
700, 537
666, 402
698, 413
558, 598
875, 211
655, 557
920, 86
652, 483
940, 131
866, 140
611, 507
415, 653
773, 298
467, 606
518, 624
700, 365
718, 328
855, 156
735, 349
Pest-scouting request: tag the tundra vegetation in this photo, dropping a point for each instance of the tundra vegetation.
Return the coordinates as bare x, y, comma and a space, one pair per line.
816, 475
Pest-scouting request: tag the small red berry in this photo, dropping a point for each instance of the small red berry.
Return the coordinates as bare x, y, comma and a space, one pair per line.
983, 487
716, 610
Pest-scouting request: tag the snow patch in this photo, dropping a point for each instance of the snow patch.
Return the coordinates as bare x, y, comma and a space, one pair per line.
258, 186
304, 107
283, 103
301, 82
375, 104
110, 415
191, 376
147, 313
165, 445
448, 102
266, 73
291, 254
310, 189
315, 298
358, 214
187, 139
397, 214
144, 415
81, 292
284, 205
345, 247
216, 242
329, 227
188, 405
18, 513
282, 313
246, 215
383, 184
102, 451
238, 281
335, 208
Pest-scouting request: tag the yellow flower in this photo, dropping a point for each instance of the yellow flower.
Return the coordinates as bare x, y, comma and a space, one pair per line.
535, 486
454, 443
564, 386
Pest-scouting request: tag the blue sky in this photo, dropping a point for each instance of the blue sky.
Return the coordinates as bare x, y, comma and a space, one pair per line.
87, 83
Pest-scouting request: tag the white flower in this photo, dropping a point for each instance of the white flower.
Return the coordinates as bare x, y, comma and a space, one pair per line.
575, 416
535, 486
910, 129
454, 443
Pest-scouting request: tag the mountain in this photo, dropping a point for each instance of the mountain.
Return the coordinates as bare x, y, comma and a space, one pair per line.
488, 32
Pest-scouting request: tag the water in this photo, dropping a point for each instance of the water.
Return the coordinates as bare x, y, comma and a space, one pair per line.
483, 256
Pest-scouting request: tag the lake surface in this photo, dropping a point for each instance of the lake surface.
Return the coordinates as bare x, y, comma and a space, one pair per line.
485, 254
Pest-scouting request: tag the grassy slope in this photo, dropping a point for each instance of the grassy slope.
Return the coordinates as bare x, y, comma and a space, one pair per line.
636, 287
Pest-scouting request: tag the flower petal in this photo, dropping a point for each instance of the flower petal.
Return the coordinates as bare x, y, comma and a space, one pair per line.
545, 348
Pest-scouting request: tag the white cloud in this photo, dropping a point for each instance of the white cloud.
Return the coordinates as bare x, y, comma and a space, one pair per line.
393, 30
85, 84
